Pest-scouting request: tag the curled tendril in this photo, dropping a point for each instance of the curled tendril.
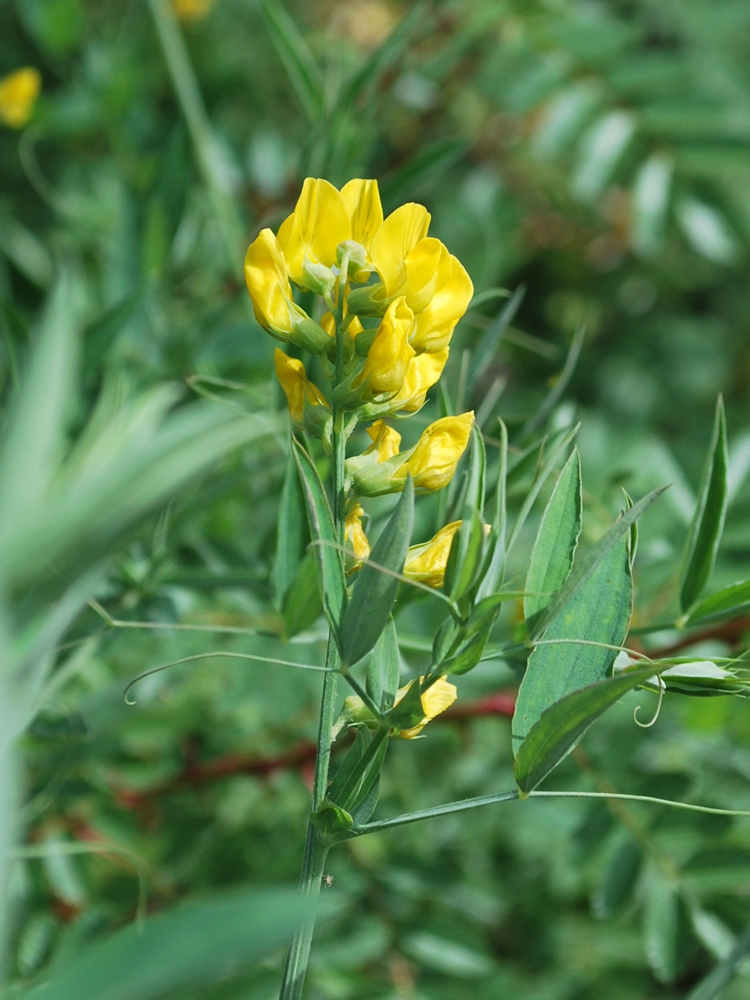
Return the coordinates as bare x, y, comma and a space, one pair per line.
226, 655
636, 710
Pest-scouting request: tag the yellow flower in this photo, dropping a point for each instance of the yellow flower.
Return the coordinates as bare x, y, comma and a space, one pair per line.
329, 325
319, 222
386, 441
451, 298
18, 93
271, 294
297, 389
435, 700
192, 10
362, 200
355, 535
423, 372
424, 265
390, 351
398, 235
426, 563
433, 461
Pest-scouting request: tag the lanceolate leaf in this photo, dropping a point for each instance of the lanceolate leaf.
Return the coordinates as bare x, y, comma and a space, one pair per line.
599, 612
384, 668
727, 600
708, 520
590, 560
556, 540
291, 532
320, 519
562, 726
304, 73
374, 591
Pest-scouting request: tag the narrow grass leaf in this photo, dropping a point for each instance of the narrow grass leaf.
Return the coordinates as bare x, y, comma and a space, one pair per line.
560, 384
496, 548
291, 533
302, 602
560, 727
556, 540
192, 946
489, 342
708, 521
726, 601
320, 519
599, 612
374, 592
301, 68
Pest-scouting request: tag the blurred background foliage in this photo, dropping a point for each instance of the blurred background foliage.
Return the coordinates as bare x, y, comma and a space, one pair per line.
591, 157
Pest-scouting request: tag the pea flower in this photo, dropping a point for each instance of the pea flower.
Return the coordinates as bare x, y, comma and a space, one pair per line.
435, 700
453, 293
299, 391
426, 563
433, 461
423, 372
385, 441
18, 93
268, 283
390, 352
354, 535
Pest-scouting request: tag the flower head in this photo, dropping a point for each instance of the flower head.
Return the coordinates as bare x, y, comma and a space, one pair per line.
433, 461
426, 563
18, 93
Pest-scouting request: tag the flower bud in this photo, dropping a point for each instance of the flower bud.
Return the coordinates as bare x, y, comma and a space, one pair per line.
318, 278
390, 352
433, 461
355, 537
357, 257
426, 563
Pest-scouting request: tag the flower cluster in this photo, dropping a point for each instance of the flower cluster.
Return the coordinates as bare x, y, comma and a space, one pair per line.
393, 296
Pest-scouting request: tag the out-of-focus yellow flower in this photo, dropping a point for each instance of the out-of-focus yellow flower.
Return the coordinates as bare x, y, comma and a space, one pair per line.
18, 93
355, 535
192, 10
366, 22
451, 298
271, 294
390, 352
397, 237
319, 222
435, 700
386, 441
426, 563
328, 323
435, 457
423, 372
297, 387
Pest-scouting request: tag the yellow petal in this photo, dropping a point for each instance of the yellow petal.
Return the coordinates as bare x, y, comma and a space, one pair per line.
436, 699
386, 441
362, 200
435, 457
268, 284
18, 93
423, 372
192, 10
293, 378
426, 563
354, 533
329, 325
424, 266
390, 351
320, 222
399, 234
436, 322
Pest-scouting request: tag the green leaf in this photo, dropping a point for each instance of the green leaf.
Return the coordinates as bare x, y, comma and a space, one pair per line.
726, 601
466, 556
616, 887
711, 988
384, 668
320, 519
496, 546
559, 386
302, 602
423, 166
665, 927
303, 71
600, 150
589, 561
291, 533
374, 592
651, 193
191, 946
556, 540
599, 612
560, 727
490, 340
708, 521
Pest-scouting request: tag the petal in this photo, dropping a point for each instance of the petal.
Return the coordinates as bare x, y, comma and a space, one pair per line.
400, 232
362, 200
436, 322
438, 697
386, 440
423, 372
267, 282
319, 223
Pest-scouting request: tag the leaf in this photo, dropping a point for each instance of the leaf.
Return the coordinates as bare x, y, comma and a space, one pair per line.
191, 946
599, 612
302, 602
496, 547
489, 342
466, 556
327, 556
303, 71
559, 386
665, 927
600, 150
721, 975
560, 727
423, 166
651, 191
384, 669
729, 599
616, 887
708, 521
374, 592
291, 533
556, 540
589, 561
707, 231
